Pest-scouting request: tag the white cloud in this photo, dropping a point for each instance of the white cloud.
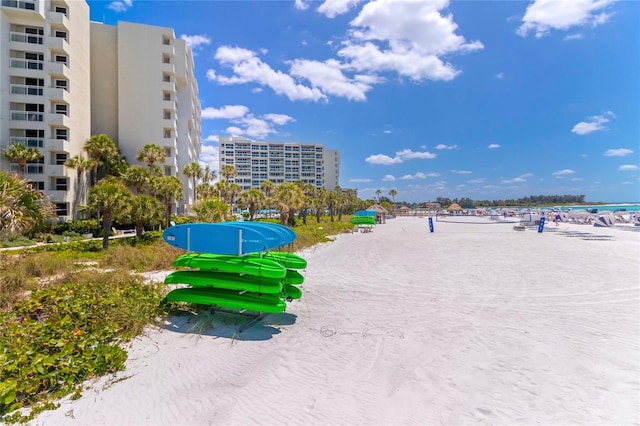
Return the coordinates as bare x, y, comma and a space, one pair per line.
493, 146
543, 16
620, 152
406, 37
432, 174
443, 146
382, 159
479, 180
328, 77
248, 68
279, 119
210, 156
461, 172
227, 112
563, 172
518, 179
211, 138
574, 37
594, 123
301, 5
400, 157
387, 132
626, 167
195, 41
359, 180
333, 8
500, 75
388, 178
120, 5
418, 175
211, 75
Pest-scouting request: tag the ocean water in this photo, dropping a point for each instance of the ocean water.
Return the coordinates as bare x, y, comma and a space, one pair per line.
630, 207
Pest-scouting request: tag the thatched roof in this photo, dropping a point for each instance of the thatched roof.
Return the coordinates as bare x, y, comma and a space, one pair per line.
454, 208
378, 208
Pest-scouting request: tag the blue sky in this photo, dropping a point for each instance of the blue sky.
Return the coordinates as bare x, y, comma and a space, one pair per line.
478, 99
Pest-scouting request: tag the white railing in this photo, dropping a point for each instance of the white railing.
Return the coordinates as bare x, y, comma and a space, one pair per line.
23, 63
26, 38
20, 4
26, 116
28, 142
23, 89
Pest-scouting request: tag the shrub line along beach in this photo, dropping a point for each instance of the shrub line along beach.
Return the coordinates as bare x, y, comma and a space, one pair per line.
471, 323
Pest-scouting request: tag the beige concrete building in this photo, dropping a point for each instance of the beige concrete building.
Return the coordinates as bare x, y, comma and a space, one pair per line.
144, 91
279, 162
64, 78
45, 92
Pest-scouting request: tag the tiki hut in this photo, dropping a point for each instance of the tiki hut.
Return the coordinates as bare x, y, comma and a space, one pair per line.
381, 213
454, 208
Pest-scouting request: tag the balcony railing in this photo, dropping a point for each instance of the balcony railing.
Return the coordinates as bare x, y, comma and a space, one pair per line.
27, 142
23, 89
26, 64
25, 38
26, 116
20, 4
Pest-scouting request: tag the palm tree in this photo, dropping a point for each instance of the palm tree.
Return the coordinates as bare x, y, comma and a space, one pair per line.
393, 194
150, 154
18, 153
111, 197
210, 210
23, 209
208, 175
102, 149
228, 171
289, 198
143, 209
80, 164
169, 188
267, 187
233, 190
137, 177
378, 192
252, 199
194, 171
319, 202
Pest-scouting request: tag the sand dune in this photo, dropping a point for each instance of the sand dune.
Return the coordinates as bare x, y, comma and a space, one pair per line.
472, 323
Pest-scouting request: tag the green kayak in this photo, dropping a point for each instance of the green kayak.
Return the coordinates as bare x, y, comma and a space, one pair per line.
286, 259
228, 299
225, 281
292, 292
250, 265
293, 277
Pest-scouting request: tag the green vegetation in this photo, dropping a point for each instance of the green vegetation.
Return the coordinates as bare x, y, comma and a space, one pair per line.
63, 320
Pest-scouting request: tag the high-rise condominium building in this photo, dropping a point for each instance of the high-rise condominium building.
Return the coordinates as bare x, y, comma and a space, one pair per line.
279, 162
63, 79
45, 94
144, 91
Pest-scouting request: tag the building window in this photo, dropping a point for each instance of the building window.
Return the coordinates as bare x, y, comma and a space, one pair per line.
61, 109
61, 9
167, 152
62, 59
167, 133
61, 184
37, 185
61, 84
62, 209
60, 158
166, 96
167, 170
62, 133
61, 34
167, 115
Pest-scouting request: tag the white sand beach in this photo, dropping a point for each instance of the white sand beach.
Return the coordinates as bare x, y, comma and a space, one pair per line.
474, 323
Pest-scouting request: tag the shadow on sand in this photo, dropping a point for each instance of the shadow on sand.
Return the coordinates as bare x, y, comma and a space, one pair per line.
230, 325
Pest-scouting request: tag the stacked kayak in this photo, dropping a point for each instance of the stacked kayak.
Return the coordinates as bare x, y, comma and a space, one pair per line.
364, 217
235, 265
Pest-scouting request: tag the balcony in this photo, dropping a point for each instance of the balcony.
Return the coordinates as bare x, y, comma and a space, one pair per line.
26, 116
56, 170
58, 44
168, 68
58, 94
168, 49
26, 64
55, 119
25, 38
19, 8
58, 68
56, 196
168, 86
58, 18
27, 142
23, 89
57, 145
34, 169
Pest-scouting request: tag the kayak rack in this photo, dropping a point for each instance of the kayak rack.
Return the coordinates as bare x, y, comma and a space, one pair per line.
253, 316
